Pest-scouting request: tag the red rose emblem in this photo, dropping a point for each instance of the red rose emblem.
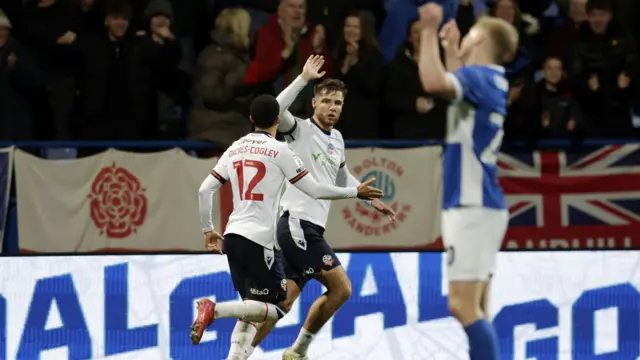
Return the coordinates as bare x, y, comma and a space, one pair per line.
118, 203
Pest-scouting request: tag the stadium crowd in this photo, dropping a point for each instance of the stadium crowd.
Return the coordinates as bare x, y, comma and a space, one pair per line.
160, 69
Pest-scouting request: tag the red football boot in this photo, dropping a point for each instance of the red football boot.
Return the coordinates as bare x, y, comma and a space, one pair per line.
206, 312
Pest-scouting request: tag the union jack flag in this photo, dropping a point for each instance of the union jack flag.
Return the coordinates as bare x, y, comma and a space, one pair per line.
578, 199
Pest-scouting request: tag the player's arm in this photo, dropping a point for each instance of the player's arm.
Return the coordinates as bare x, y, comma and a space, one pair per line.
218, 177
294, 170
288, 122
346, 179
433, 75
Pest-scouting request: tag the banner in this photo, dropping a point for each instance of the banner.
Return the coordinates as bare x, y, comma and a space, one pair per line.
580, 198
412, 183
560, 305
112, 201
6, 168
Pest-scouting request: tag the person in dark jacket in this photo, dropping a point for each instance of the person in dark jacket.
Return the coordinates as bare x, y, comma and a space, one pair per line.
45, 22
415, 113
117, 79
556, 113
18, 77
360, 65
604, 69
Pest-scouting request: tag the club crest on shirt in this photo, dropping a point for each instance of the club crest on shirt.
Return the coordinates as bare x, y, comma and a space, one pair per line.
327, 260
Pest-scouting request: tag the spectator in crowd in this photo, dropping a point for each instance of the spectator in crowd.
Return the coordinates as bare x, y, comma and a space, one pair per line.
18, 77
160, 43
220, 100
556, 113
282, 47
118, 76
359, 63
330, 14
46, 21
604, 70
564, 35
415, 113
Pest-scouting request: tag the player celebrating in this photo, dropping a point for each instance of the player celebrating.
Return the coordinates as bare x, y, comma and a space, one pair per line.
301, 227
257, 166
475, 217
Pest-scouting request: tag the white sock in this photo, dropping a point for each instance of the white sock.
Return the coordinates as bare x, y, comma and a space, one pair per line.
241, 338
302, 342
248, 310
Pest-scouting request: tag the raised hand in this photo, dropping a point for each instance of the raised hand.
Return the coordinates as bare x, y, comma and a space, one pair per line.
367, 192
450, 35
311, 69
431, 15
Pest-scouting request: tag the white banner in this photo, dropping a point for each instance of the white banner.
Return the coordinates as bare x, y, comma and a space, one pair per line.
112, 201
560, 305
412, 182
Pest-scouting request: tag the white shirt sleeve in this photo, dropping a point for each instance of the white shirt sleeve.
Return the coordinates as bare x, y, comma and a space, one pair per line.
294, 170
288, 123
218, 177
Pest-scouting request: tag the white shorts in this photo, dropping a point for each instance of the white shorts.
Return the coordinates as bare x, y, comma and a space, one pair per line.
472, 237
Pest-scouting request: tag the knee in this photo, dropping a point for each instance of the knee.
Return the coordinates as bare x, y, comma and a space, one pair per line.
341, 293
463, 309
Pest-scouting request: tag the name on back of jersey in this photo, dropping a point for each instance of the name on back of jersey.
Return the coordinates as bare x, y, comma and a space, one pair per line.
253, 148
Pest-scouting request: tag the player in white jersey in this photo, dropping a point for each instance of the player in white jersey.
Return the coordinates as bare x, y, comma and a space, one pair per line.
301, 227
475, 216
257, 166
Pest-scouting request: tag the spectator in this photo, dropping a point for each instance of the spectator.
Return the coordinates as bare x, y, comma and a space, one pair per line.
219, 110
118, 77
283, 46
359, 63
564, 35
330, 14
45, 22
17, 79
604, 70
415, 113
160, 43
557, 114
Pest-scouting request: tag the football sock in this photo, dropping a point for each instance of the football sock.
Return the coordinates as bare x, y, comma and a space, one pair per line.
483, 341
302, 342
248, 310
241, 338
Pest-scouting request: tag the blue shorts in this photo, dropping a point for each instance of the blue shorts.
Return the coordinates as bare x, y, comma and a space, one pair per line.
257, 272
306, 252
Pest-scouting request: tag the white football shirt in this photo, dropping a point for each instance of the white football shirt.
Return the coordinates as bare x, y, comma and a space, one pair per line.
323, 153
257, 166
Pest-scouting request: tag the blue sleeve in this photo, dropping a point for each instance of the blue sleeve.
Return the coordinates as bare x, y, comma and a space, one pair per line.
471, 86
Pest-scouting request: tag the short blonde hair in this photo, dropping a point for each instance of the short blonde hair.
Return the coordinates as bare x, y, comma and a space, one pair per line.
503, 35
234, 24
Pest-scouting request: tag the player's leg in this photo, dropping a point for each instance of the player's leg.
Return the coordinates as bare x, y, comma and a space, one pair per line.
338, 292
329, 272
254, 272
295, 284
472, 237
485, 298
264, 328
